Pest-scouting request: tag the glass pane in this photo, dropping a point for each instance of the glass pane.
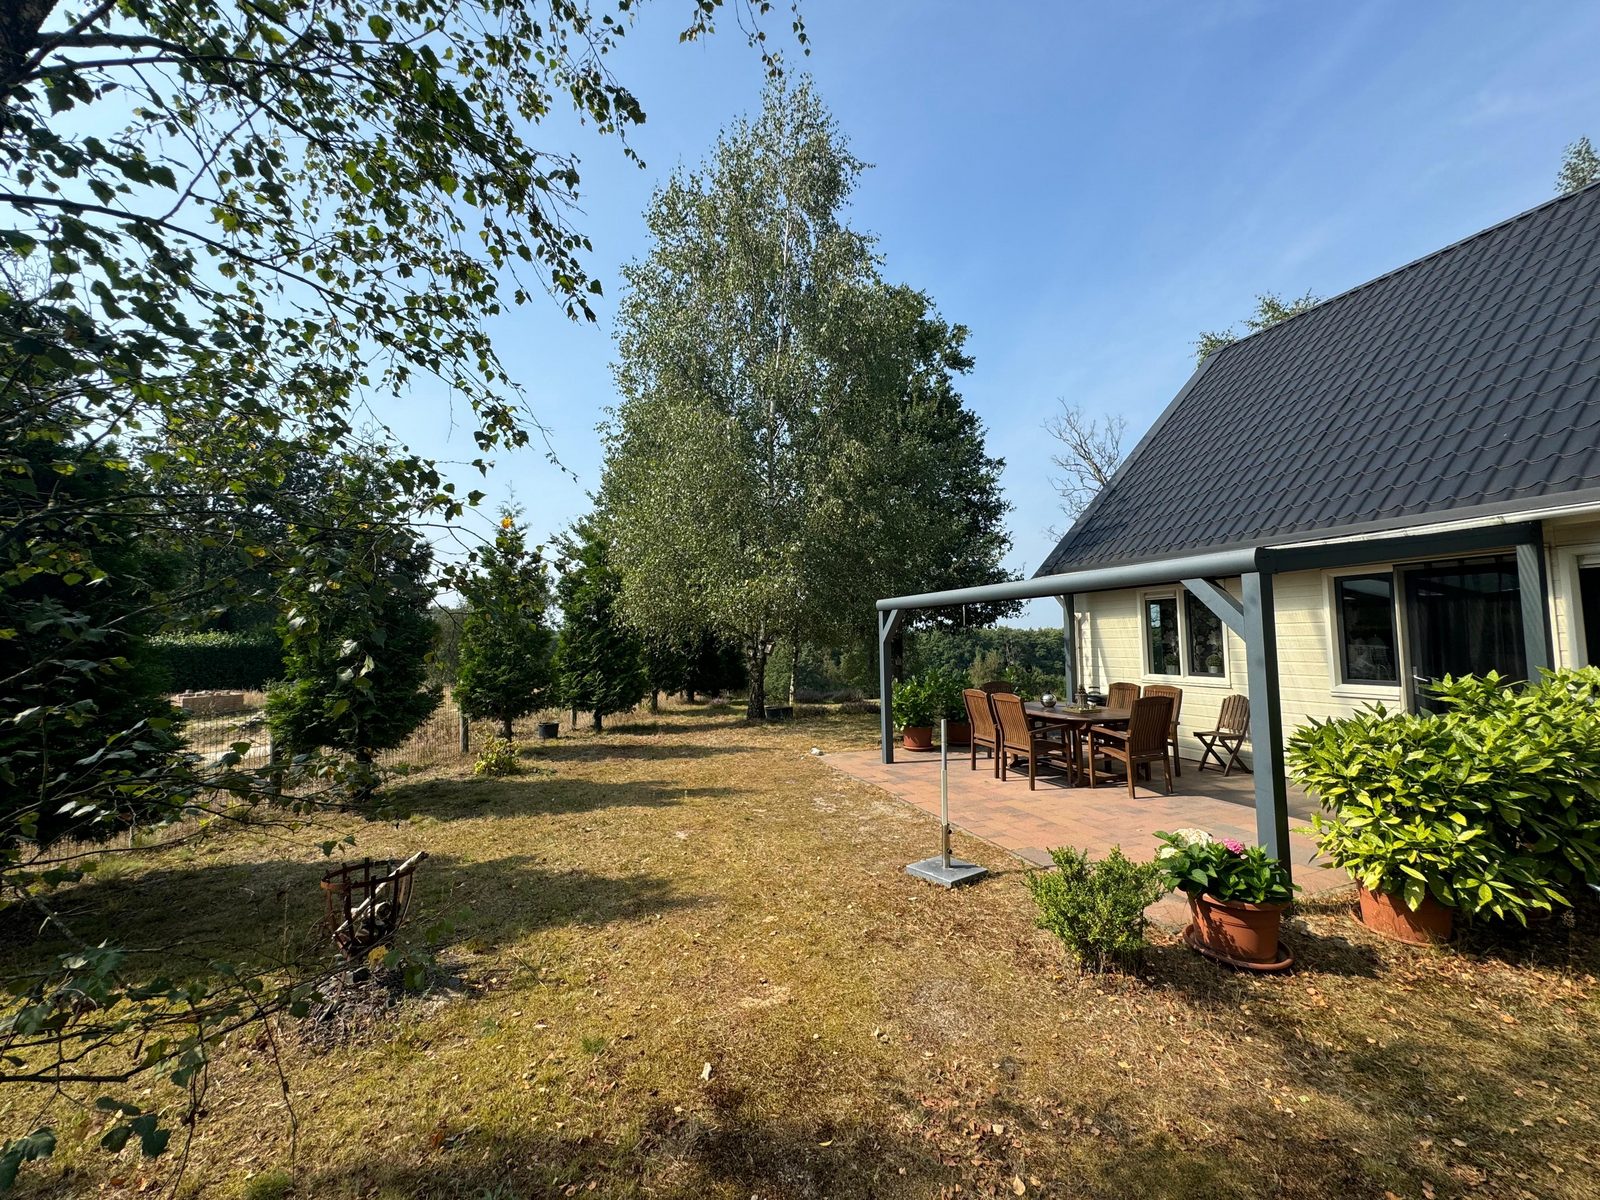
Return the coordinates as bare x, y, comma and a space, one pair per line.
1205, 638
1366, 629
1164, 636
1467, 620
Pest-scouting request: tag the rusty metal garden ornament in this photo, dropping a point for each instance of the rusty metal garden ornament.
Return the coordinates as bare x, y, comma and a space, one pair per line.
367, 901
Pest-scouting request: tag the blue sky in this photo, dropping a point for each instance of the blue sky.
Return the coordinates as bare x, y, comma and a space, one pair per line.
1086, 187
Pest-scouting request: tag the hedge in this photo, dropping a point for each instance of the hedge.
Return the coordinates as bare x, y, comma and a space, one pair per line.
196, 662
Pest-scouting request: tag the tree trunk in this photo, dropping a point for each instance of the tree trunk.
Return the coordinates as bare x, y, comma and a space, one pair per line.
655, 700
505, 728
688, 695
366, 781
794, 663
599, 724
756, 707
574, 718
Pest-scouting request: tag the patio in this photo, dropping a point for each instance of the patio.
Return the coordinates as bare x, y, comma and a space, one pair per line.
1028, 823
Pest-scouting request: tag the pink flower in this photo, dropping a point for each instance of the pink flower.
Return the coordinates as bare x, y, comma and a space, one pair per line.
1232, 846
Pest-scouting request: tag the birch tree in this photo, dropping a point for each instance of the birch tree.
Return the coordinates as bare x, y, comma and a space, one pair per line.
789, 443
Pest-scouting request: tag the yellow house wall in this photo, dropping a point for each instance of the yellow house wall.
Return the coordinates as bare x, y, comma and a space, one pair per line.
1111, 631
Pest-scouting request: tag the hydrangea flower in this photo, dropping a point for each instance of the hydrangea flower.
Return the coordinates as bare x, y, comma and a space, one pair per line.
1233, 846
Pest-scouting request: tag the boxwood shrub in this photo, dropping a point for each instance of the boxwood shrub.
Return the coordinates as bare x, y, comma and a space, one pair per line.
197, 662
1492, 806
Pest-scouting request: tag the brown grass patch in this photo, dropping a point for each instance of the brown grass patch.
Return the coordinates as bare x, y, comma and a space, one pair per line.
688, 889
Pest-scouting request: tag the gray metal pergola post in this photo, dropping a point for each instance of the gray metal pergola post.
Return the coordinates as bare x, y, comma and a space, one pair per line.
1252, 619
888, 625
1532, 589
1069, 647
1266, 715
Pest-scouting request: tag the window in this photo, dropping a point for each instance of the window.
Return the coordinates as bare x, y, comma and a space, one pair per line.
1163, 635
1183, 637
1368, 648
1204, 641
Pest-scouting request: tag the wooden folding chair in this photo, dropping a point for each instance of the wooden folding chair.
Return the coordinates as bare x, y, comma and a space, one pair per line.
1143, 741
1175, 694
1233, 727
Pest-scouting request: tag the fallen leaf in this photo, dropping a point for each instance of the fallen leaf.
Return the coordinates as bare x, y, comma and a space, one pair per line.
1017, 1185
705, 1072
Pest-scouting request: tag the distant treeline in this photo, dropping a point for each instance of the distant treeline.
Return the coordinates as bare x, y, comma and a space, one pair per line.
1031, 658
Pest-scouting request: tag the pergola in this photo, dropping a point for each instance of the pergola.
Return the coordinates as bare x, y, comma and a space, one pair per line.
1251, 617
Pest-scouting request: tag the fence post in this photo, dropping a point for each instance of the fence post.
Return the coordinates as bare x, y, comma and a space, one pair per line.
466, 733
274, 766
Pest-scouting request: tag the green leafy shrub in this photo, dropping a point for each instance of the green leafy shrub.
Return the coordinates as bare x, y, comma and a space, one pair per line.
199, 662
501, 756
1492, 806
916, 702
1194, 862
1097, 908
947, 687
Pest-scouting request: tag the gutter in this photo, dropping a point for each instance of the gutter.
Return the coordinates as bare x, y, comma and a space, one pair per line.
1098, 579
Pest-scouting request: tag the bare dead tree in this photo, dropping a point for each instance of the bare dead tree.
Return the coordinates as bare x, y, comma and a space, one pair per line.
1091, 450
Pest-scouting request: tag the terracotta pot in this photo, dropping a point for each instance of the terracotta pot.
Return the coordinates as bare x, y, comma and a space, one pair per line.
958, 733
1389, 916
1236, 931
917, 737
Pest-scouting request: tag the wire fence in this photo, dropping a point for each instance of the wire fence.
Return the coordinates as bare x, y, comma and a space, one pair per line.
219, 722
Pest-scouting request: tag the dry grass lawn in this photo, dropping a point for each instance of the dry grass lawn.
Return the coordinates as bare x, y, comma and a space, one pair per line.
692, 966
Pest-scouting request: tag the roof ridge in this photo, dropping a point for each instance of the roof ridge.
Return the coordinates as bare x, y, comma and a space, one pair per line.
1407, 266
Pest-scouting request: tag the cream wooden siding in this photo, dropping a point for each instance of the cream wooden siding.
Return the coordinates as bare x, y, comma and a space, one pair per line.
1111, 630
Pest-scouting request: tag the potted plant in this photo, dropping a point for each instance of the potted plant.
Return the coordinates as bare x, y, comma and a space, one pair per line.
915, 708
949, 687
1237, 895
1434, 813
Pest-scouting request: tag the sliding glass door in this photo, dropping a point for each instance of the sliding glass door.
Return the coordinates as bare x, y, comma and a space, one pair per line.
1463, 619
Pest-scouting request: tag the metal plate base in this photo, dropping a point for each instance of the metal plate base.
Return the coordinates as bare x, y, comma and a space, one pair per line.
934, 871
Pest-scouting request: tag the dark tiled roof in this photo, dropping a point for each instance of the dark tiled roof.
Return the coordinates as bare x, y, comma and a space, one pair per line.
1467, 382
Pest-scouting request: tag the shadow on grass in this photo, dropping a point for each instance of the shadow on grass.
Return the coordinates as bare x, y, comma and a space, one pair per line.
266, 916
532, 793
732, 1152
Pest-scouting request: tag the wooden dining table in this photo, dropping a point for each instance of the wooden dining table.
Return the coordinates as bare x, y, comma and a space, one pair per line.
1076, 725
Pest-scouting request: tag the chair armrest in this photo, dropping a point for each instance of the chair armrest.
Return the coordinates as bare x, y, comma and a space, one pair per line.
1120, 735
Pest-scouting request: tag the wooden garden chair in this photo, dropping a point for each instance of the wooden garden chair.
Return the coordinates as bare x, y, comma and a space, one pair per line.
1233, 727
1143, 741
984, 731
1175, 694
1121, 696
1021, 737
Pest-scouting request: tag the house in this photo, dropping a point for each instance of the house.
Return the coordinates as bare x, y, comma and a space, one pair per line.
1400, 483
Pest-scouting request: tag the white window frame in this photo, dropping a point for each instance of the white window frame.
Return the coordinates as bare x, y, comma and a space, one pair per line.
1188, 679
1564, 590
1358, 689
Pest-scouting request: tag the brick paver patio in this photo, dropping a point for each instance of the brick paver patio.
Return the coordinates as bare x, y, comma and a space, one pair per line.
1028, 823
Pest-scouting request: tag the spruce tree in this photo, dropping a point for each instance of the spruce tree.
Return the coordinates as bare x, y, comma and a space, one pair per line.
505, 644
599, 662
357, 624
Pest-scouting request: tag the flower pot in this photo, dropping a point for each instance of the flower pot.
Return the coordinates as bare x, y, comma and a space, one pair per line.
1245, 935
1389, 917
549, 729
958, 733
917, 737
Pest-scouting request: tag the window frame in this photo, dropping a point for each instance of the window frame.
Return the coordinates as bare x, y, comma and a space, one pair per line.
1180, 596
1365, 689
